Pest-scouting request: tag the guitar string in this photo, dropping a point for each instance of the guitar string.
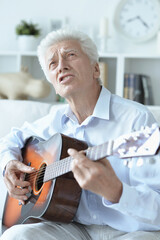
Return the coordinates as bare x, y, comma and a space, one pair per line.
56, 168
62, 164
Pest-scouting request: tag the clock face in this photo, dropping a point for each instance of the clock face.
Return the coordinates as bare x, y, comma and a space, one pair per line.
138, 20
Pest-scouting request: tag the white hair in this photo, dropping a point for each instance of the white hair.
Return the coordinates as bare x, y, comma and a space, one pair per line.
87, 45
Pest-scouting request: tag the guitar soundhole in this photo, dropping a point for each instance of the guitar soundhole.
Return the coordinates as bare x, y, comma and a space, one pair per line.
39, 178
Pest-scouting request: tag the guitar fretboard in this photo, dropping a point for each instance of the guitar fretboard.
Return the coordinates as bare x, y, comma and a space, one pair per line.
63, 166
97, 152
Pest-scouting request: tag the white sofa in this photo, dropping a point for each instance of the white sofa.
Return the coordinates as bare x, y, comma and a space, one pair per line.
15, 112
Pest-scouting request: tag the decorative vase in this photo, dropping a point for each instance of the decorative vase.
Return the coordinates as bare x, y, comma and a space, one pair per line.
27, 43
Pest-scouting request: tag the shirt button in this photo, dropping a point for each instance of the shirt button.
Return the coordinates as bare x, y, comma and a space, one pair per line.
94, 217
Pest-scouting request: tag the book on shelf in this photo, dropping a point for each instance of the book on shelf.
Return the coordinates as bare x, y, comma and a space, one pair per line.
104, 73
137, 87
148, 95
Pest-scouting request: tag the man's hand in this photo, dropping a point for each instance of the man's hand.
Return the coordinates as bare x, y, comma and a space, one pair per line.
17, 187
96, 176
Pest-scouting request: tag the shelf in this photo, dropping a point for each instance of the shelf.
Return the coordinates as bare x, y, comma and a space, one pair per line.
8, 53
18, 53
101, 54
118, 64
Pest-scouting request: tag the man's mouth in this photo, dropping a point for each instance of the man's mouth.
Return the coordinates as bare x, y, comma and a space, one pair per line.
65, 77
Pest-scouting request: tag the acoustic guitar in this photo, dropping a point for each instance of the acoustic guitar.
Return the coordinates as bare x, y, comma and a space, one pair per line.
55, 194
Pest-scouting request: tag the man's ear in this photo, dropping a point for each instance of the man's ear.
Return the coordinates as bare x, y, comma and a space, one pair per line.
96, 73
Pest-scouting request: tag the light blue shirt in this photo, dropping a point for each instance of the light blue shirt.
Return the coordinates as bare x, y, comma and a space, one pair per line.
139, 205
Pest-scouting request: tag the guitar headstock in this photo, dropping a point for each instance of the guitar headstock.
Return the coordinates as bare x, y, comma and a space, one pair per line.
138, 144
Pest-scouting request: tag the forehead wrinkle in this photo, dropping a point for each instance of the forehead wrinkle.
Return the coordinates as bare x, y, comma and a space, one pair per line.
62, 50
70, 50
50, 58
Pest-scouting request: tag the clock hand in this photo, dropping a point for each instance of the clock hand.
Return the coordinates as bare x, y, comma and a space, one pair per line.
139, 18
144, 23
132, 19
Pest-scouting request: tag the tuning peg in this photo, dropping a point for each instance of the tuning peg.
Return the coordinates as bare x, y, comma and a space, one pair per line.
133, 149
124, 140
128, 163
135, 136
151, 160
142, 128
139, 162
148, 160
121, 151
125, 162
148, 130
154, 126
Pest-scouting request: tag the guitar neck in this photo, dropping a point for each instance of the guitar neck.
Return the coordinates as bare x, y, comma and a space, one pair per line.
63, 166
140, 143
98, 152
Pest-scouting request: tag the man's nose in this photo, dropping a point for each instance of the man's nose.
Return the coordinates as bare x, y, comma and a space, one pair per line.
62, 65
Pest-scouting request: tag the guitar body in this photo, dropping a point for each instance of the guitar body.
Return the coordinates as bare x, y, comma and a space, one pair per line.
55, 200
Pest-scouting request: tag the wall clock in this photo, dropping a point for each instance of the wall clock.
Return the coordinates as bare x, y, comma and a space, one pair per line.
138, 20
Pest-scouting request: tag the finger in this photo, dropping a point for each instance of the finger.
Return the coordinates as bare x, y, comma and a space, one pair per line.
22, 176
81, 167
105, 162
17, 165
15, 181
72, 152
16, 192
79, 157
13, 172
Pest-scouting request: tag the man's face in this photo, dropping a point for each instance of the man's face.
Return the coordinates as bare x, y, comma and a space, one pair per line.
69, 68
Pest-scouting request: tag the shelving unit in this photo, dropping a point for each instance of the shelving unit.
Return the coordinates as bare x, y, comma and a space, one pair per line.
145, 64
13, 61
117, 63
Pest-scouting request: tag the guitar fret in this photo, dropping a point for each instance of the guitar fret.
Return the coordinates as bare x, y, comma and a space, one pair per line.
96, 153
101, 151
57, 169
90, 153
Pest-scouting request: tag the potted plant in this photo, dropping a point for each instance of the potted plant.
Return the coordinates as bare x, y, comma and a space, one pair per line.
28, 34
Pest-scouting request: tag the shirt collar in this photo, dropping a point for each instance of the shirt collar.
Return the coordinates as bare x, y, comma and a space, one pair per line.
101, 109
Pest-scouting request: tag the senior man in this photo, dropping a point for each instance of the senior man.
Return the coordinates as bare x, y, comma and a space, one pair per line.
113, 203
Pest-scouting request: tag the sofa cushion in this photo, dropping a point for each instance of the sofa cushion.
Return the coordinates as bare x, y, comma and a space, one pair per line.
15, 112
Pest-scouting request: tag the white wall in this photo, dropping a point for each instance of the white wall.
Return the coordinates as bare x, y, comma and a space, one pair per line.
85, 14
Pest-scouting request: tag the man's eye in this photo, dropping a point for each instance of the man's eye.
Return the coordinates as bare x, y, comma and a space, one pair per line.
72, 54
52, 64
